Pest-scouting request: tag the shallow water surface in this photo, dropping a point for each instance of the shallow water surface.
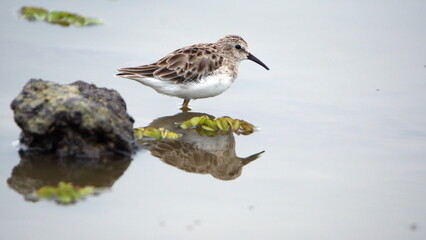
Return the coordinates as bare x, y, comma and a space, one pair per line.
341, 118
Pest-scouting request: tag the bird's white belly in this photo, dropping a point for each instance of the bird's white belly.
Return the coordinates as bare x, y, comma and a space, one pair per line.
207, 87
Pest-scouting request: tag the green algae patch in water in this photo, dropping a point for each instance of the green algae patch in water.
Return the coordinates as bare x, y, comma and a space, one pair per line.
156, 133
65, 193
205, 126
61, 18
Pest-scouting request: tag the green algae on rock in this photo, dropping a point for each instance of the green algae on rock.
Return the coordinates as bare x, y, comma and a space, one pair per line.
77, 119
61, 18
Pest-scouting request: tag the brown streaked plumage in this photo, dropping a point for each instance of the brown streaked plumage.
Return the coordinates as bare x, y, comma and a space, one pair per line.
183, 65
197, 71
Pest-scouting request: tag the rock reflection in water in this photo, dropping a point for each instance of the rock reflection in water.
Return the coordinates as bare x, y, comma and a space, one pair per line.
198, 154
36, 170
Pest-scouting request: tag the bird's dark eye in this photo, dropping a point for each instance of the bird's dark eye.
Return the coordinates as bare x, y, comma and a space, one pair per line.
238, 47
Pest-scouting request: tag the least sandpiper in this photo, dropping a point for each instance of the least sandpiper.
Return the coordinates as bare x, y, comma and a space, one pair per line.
198, 71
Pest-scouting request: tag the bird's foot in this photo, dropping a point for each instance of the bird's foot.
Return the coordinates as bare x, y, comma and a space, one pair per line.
185, 109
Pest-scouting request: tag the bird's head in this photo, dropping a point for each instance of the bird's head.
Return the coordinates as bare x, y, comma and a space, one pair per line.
237, 47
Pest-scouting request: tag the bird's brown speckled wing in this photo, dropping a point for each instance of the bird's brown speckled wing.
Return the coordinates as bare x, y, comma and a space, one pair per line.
183, 65
184, 156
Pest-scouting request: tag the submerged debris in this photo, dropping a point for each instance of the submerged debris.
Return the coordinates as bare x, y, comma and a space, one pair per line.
61, 18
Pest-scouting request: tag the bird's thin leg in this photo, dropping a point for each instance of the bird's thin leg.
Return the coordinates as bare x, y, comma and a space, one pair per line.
185, 107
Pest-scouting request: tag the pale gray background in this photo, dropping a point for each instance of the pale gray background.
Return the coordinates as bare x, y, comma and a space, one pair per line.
342, 116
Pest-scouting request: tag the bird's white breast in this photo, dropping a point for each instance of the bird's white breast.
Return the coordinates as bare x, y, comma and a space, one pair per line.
209, 86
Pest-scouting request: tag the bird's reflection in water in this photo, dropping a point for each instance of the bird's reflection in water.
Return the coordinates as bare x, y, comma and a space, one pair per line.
36, 170
198, 154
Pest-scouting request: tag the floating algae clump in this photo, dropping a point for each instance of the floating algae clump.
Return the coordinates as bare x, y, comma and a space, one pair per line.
157, 133
205, 126
65, 193
61, 18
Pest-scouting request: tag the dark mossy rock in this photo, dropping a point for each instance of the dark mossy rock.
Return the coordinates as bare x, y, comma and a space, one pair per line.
78, 119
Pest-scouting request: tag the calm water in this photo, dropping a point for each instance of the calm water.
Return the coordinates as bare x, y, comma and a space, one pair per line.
342, 115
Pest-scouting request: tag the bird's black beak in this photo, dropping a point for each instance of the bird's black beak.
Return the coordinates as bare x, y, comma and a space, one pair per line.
254, 59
